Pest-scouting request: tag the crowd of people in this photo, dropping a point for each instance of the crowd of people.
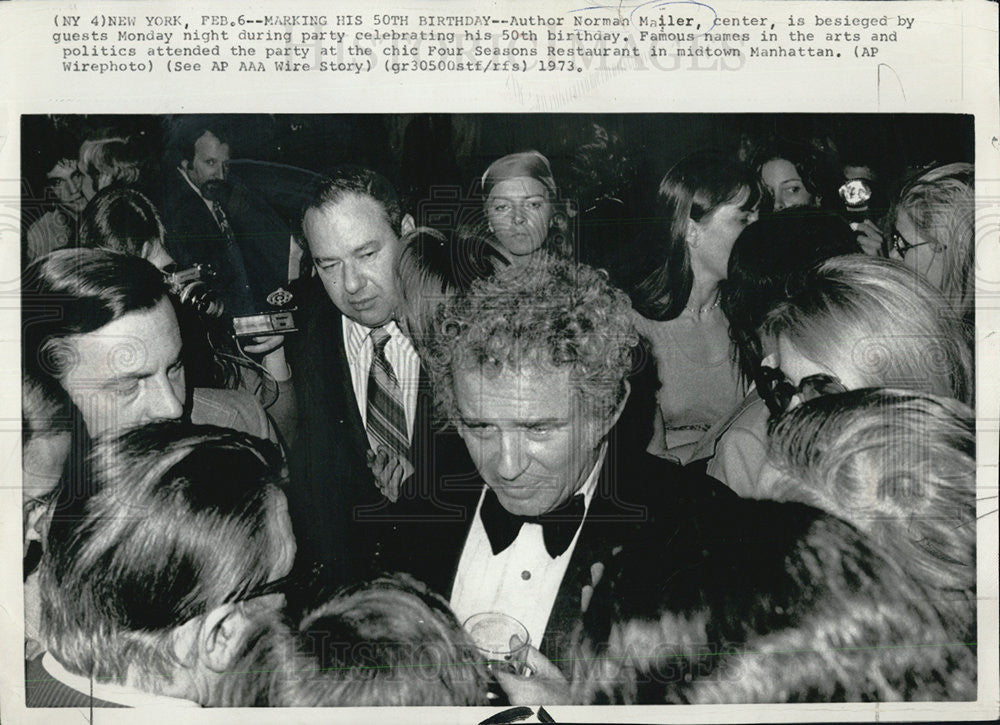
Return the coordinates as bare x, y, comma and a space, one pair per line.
284, 437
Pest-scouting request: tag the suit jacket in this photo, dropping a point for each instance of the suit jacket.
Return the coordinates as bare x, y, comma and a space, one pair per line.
641, 503
340, 518
193, 236
234, 409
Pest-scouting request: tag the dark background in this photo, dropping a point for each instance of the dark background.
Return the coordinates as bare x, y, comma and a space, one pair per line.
421, 151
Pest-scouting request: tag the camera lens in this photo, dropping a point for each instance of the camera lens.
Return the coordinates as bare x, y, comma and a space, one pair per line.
198, 296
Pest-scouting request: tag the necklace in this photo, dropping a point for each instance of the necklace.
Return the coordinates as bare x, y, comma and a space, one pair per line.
706, 308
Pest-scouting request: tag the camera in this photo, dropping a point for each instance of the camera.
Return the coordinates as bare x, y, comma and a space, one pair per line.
266, 323
191, 287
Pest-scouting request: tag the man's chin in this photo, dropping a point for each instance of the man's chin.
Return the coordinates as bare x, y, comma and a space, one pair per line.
522, 502
371, 319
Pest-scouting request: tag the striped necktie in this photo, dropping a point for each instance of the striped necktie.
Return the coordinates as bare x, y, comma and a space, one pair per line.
386, 418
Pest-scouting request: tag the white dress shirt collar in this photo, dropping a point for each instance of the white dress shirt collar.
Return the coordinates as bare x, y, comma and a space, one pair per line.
522, 581
109, 692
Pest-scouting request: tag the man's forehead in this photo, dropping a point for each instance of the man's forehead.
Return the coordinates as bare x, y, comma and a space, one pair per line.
209, 142
134, 342
352, 219
525, 391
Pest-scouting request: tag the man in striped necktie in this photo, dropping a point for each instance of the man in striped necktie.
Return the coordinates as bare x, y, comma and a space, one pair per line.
363, 430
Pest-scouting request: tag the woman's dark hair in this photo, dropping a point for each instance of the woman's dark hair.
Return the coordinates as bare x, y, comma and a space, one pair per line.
692, 190
817, 172
120, 219
766, 255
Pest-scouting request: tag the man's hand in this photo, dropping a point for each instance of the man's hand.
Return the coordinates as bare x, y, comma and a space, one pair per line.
263, 344
390, 470
544, 683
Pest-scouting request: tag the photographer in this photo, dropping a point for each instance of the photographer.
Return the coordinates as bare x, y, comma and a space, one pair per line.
124, 220
212, 220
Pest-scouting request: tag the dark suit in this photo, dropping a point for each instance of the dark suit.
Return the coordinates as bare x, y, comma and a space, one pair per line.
43, 690
340, 518
640, 504
194, 236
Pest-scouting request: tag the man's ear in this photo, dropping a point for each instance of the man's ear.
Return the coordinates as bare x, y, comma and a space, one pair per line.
610, 421
146, 250
185, 165
407, 225
222, 636
36, 519
613, 418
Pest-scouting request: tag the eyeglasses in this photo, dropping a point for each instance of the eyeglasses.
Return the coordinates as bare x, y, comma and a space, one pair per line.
777, 390
902, 246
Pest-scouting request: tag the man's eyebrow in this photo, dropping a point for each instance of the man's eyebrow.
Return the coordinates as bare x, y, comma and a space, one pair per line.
119, 379
542, 423
471, 422
529, 424
367, 246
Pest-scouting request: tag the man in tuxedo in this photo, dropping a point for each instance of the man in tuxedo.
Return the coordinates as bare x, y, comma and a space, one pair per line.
211, 220
532, 366
364, 420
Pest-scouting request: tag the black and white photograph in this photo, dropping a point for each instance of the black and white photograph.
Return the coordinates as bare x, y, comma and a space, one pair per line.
517, 410
499, 362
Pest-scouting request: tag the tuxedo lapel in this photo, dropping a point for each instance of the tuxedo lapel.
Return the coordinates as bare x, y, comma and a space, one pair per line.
614, 513
594, 548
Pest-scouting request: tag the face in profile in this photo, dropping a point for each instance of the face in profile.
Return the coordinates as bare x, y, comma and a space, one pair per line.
917, 251
210, 162
528, 434
128, 372
519, 213
711, 240
784, 183
356, 252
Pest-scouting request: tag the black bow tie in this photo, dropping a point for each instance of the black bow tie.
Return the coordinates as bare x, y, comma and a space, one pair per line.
558, 526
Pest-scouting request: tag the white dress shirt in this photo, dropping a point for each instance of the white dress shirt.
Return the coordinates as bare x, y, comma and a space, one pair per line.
400, 353
522, 581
